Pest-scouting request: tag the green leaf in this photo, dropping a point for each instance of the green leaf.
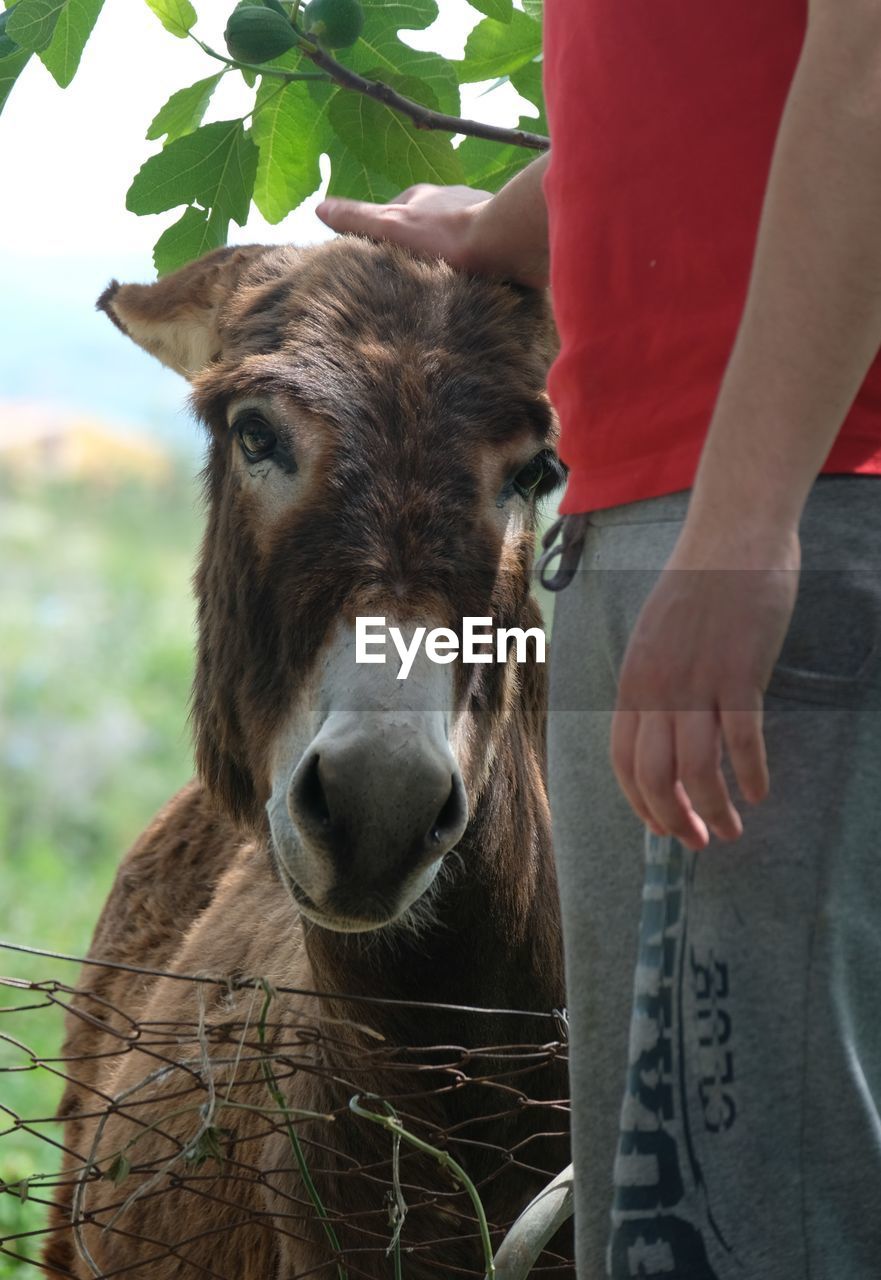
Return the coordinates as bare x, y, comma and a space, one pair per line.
55, 29
72, 30
214, 166
11, 68
488, 166
7, 44
501, 10
400, 15
380, 51
32, 23
176, 16
386, 142
183, 111
498, 48
187, 239
535, 9
208, 1146
350, 177
291, 130
119, 1170
528, 83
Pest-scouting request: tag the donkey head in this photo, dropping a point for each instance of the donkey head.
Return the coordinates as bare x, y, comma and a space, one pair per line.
379, 435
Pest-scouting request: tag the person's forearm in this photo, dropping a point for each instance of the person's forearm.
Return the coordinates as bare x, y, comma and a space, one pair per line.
812, 321
512, 228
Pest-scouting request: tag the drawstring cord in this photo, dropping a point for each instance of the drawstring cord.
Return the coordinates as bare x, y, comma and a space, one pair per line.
564, 539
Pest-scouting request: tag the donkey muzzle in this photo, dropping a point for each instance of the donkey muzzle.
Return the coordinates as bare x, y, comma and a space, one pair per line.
374, 804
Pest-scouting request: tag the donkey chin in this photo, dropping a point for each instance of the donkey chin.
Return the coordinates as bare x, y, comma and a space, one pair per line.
367, 796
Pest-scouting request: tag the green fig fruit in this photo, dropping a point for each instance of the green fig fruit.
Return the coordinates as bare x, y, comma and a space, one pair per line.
334, 23
257, 34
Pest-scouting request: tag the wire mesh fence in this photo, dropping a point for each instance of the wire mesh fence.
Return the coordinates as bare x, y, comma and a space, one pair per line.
269, 1131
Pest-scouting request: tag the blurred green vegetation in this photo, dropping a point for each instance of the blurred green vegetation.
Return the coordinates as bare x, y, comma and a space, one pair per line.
96, 644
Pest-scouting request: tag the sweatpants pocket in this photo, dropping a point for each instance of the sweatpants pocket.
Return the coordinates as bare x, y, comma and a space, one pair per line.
831, 652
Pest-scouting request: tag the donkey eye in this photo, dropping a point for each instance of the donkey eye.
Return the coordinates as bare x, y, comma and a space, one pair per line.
257, 439
528, 478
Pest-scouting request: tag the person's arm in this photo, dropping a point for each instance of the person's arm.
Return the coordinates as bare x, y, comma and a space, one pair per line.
706, 642
504, 235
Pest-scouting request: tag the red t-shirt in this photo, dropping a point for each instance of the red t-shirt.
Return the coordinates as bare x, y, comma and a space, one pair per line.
663, 119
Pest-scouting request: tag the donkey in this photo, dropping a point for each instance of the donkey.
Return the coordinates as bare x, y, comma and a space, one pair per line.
379, 437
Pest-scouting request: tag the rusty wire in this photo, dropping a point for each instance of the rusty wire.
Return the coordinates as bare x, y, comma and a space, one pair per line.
194, 1109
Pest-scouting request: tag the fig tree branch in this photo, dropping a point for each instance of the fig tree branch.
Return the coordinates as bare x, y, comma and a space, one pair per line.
423, 117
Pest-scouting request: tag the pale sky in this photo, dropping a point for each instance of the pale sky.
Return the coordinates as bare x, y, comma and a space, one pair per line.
70, 155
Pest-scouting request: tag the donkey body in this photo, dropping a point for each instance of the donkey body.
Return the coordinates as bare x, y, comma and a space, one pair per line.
379, 435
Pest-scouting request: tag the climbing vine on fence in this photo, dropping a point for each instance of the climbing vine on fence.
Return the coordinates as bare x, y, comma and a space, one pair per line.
332, 77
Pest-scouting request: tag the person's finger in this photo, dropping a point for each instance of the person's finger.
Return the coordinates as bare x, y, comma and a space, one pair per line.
625, 725
656, 781
357, 216
745, 744
698, 766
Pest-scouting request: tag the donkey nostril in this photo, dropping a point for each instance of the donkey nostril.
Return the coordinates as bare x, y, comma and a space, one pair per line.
450, 822
311, 798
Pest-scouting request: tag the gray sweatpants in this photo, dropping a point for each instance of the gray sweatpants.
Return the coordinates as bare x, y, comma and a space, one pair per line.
747, 1048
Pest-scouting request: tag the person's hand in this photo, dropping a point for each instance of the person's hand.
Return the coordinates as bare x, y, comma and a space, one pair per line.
503, 235
693, 678
436, 222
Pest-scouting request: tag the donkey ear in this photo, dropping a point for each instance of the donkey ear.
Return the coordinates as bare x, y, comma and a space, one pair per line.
177, 318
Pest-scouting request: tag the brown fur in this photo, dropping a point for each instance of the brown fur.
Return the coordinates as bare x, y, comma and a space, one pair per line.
420, 384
